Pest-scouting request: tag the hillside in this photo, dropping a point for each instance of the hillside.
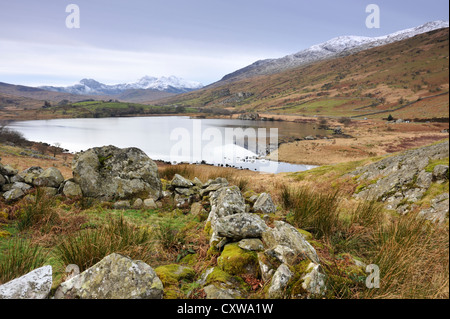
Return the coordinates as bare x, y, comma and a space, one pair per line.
337, 47
407, 77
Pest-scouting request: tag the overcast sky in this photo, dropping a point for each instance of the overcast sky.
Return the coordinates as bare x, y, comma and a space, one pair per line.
199, 40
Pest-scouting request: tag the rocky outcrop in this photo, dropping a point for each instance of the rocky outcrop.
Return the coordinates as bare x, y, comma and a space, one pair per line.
34, 285
114, 277
401, 180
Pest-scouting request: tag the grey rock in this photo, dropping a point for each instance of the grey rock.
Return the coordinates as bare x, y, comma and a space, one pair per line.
114, 277
439, 210
30, 174
51, 177
8, 170
440, 173
122, 204
137, 204
180, 181
240, 226
264, 204
313, 282
215, 292
150, 203
279, 282
286, 235
13, 194
22, 186
197, 182
34, 285
72, 189
283, 253
252, 244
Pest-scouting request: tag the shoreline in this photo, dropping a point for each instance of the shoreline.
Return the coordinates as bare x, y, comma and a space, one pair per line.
361, 138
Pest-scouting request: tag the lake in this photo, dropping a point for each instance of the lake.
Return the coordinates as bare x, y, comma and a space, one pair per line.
221, 142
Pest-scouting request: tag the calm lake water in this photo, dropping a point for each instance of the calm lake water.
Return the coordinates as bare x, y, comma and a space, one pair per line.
175, 139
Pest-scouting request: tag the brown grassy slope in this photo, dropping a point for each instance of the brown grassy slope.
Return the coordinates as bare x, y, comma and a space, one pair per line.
365, 82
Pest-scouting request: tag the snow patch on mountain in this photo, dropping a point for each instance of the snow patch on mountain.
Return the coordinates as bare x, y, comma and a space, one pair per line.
171, 84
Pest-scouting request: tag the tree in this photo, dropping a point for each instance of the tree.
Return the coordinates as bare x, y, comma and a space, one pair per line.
390, 117
56, 149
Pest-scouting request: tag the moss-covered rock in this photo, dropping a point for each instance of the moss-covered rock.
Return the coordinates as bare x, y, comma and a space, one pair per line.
172, 274
190, 259
237, 261
308, 281
174, 277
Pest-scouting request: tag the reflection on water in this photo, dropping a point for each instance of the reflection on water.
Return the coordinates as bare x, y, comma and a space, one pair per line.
174, 139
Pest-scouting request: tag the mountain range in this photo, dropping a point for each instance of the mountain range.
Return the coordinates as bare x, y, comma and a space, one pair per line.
340, 46
171, 84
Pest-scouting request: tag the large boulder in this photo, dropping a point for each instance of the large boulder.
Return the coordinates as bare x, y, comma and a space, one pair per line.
114, 277
34, 285
112, 173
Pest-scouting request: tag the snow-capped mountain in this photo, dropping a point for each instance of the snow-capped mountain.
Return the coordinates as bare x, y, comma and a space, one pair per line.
171, 84
339, 46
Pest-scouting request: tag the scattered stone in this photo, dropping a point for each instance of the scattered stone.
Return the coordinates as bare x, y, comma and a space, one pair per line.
150, 203
439, 209
123, 204
137, 204
237, 261
440, 173
30, 174
214, 292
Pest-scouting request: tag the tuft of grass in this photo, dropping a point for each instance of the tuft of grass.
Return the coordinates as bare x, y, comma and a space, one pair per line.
88, 247
20, 258
317, 213
38, 211
413, 257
